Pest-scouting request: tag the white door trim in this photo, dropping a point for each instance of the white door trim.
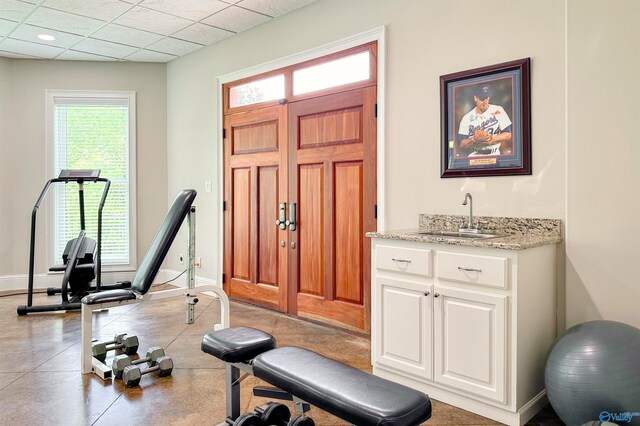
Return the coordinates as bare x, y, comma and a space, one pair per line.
375, 34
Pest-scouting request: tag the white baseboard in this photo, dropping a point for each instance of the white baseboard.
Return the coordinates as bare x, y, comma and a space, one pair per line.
41, 281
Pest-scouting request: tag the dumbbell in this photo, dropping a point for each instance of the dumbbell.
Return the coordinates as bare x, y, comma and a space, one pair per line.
299, 420
248, 419
273, 414
132, 374
128, 344
121, 361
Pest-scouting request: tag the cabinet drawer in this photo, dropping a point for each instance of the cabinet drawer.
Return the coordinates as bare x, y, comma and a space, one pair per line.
404, 260
467, 268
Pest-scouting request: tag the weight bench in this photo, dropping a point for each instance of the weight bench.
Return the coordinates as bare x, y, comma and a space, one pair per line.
141, 283
309, 378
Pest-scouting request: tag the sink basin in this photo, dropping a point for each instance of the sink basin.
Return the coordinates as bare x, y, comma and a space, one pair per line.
453, 234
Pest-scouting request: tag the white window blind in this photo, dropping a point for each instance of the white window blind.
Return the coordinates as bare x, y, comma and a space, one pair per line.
93, 133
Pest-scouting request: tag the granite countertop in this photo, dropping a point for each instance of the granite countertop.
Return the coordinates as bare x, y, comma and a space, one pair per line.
514, 233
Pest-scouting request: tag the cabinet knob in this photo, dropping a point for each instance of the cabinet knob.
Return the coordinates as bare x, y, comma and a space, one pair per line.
426, 293
436, 295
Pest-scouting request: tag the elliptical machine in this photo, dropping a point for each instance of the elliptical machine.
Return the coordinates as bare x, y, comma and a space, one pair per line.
81, 256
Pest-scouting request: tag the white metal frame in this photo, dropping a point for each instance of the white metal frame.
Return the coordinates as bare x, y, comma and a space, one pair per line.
130, 97
376, 34
89, 364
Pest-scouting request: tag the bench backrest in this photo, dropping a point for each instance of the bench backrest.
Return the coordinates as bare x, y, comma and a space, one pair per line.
161, 244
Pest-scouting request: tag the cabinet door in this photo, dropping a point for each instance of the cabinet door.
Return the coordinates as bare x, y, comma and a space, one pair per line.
470, 341
403, 334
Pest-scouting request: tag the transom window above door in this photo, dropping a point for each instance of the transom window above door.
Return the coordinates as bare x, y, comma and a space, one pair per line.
349, 69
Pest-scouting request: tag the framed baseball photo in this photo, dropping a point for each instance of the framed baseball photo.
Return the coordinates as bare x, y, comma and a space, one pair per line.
486, 121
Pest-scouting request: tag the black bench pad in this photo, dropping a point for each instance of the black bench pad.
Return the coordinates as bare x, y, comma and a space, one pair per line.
237, 344
119, 295
351, 394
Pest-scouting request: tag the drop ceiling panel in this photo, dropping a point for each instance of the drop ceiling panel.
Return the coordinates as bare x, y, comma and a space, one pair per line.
203, 34
31, 49
236, 19
106, 48
148, 56
6, 27
63, 21
174, 46
30, 33
72, 55
274, 7
125, 35
151, 20
6, 54
104, 10
189, 9
14, 10
136, 30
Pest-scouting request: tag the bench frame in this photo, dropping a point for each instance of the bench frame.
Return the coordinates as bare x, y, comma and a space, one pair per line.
232, 389
91, 365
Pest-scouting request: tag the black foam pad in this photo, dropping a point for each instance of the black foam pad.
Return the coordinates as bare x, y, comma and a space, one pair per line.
353, 395
119, 295
161, 244
237, 344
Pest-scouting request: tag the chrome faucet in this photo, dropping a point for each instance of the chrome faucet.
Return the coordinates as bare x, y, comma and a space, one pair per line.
470, 227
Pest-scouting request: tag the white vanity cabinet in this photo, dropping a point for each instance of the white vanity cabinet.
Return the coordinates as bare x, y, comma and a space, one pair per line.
470, 326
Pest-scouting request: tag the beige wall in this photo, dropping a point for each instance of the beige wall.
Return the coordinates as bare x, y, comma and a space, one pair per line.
425, 39
6, 131
584, 92
26, 149
603, 167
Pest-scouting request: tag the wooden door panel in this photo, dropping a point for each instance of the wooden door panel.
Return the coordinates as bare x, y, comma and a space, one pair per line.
241, 223
334, 191
332, 127
255, 137
255, 161
348, 232
311, 226
267, 258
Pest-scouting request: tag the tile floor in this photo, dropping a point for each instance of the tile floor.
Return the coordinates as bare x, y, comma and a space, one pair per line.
41, 384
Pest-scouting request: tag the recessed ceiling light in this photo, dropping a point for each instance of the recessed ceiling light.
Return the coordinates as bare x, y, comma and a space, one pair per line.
46, 37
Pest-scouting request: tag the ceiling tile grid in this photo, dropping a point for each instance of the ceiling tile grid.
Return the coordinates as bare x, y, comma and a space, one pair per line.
26, 32
203, 34
236, 19
151, 20
14, 10
125, 35
6, 27
63, 21
194, 10
127, 30
174, 46
72, 55
105, 10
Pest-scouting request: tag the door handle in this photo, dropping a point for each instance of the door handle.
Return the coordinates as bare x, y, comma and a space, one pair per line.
292, 217
282, 213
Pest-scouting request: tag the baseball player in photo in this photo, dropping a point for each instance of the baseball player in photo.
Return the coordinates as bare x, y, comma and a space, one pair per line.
486, 129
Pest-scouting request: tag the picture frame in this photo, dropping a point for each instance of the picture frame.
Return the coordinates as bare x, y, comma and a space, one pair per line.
486, 121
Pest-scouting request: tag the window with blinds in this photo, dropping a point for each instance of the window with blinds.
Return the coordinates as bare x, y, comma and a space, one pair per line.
94, 131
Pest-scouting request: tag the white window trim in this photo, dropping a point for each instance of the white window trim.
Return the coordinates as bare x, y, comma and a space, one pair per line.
50, 96
376, 34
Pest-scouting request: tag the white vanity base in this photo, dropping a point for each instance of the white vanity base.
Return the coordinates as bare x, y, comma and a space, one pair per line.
526, 413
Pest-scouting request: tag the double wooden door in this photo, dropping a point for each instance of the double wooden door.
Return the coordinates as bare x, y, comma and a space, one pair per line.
300, 192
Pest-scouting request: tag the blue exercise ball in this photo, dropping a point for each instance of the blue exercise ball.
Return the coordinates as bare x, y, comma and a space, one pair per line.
593, 373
